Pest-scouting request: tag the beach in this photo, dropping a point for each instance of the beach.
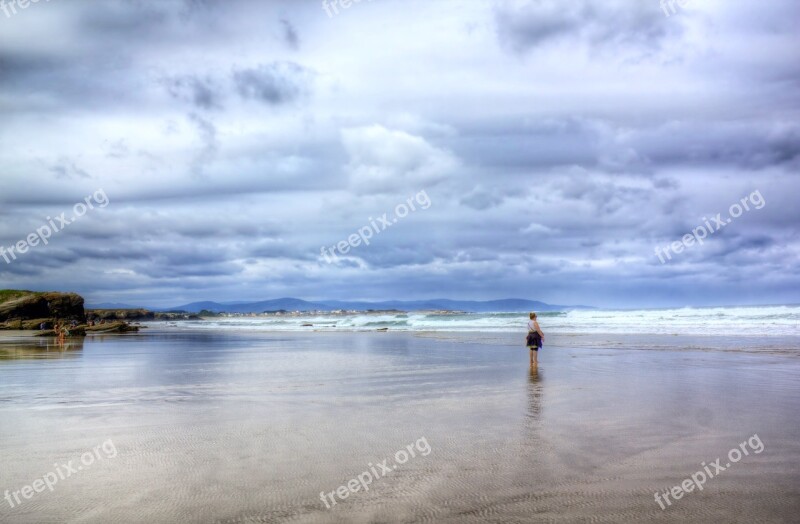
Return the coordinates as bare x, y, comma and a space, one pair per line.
248, 426
280, 261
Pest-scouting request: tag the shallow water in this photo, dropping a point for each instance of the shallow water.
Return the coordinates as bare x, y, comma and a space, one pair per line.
250, 427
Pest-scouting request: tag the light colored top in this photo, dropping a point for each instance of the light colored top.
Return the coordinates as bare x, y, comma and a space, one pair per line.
533, 326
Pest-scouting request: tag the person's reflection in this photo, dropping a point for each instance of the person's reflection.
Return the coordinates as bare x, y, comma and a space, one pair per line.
45, 347
70, 344
531, 460
535, 391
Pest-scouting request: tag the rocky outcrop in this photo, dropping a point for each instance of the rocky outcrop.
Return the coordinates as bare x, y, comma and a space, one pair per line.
120, 314
111, 327
138, 314
37, 323
173, 315
97, 329
32, 306
29, 310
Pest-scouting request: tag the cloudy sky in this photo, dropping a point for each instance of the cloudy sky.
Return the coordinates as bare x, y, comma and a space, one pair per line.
559, 143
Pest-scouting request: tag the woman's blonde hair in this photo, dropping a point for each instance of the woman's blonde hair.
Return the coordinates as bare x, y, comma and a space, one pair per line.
533, 315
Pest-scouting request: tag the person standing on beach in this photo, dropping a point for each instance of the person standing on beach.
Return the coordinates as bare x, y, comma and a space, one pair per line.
534, 339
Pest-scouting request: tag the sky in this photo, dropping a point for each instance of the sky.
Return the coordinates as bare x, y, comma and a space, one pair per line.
231, 150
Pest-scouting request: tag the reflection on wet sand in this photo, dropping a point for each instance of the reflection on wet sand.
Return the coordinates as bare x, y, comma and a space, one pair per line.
40, 348
535, 390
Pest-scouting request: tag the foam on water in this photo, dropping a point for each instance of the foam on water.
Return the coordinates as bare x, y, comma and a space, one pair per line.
766, 321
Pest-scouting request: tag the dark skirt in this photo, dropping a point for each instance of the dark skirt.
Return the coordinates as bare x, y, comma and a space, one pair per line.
534, 340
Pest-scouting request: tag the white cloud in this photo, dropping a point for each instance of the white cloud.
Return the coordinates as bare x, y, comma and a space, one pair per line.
383, 160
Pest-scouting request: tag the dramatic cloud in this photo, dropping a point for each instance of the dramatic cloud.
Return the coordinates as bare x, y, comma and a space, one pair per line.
560, 144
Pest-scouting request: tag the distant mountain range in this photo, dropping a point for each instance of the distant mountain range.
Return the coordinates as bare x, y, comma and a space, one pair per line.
509, 305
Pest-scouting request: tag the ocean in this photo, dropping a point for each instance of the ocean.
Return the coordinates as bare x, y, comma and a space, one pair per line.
752, 321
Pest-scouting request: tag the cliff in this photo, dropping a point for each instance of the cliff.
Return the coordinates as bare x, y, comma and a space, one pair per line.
29, 305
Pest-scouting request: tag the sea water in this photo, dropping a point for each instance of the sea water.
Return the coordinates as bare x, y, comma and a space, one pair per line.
761, 321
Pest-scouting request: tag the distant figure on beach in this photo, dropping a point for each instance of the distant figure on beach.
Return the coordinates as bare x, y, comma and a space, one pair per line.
60, 330
534, 339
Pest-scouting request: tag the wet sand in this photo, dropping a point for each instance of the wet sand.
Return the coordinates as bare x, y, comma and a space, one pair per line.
251, 427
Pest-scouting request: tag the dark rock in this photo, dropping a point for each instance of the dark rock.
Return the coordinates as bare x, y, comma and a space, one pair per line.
138, 314
79, 331
177, 315
111, 327
119, 314
31, 306
11, 325
37, 323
